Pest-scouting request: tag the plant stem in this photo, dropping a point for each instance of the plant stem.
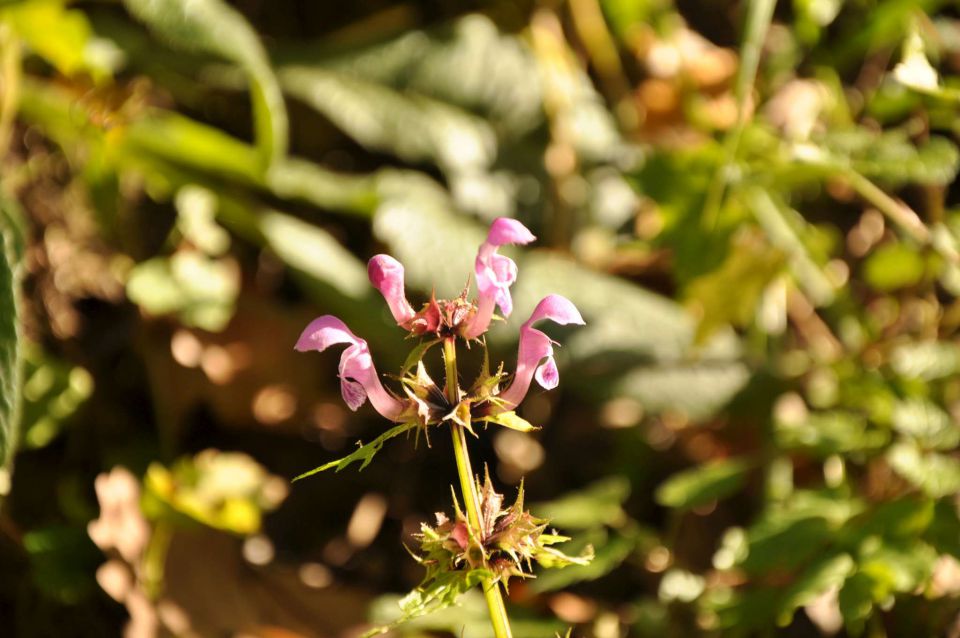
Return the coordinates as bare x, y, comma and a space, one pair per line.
468, 488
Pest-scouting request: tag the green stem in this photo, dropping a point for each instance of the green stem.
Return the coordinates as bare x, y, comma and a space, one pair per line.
468, 488
155, 559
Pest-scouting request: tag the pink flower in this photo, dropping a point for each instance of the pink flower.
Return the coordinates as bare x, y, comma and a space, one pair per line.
535, 346
358, 376
496, 273
386, 275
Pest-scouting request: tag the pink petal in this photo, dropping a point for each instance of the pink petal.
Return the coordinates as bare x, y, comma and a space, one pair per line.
353, 393
496, 273
358, 376
557, 309
324, 332
535, 346
504, 230
386, 275
547, 375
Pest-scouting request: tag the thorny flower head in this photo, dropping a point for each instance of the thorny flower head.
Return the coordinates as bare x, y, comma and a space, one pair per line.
493, 396
509, 541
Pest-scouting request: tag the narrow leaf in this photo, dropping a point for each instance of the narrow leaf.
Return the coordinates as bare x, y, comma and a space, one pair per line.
363, 454
512, 421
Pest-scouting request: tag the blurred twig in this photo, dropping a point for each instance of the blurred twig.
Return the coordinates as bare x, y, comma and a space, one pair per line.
759, 16
592, 29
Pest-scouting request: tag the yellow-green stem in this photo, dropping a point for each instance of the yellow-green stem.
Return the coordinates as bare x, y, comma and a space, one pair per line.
468, 488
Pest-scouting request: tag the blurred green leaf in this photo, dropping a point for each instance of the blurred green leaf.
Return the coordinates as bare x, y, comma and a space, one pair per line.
52, 392
890, 157
831, 432
470, 64
598, 504
202, 291
59, 35
936, 474
229, 491
703, 484
62, 562
927, 359
894, 266
750, 266
212, 26
927, 423
413, 127
312, 250
825, 572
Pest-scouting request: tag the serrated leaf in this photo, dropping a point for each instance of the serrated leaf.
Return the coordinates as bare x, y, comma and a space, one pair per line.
511, 420
611, 551
214, 27
10, 355
703, 484
363, 454
440, 593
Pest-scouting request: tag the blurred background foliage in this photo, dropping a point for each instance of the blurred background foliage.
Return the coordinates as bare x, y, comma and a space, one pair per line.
752, 203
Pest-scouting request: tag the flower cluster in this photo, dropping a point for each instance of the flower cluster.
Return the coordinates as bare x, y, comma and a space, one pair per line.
509, 540
491, 543
422, 401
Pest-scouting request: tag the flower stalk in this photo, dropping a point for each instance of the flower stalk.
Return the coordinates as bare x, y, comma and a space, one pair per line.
491, 589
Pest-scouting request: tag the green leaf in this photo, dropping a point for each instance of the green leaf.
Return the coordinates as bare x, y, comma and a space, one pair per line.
936, 474
823, 573
894, 266
751, 265
55, 33
598, 504
926, 359
831, 432
417, 354
512, 421
200, 290
469, 618
927, 423
214, 27
413, 127
363, 454
10, 355
52, 392
314, 251
611, 551
701, 485
440, 593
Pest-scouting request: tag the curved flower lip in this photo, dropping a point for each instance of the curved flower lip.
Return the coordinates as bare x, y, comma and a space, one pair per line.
387, 275
495, 273
535, 346
358, 376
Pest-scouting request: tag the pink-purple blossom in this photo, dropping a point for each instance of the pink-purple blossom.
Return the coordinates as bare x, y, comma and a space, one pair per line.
447, 319
358, 376
495, 273
386, 275
535, 346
